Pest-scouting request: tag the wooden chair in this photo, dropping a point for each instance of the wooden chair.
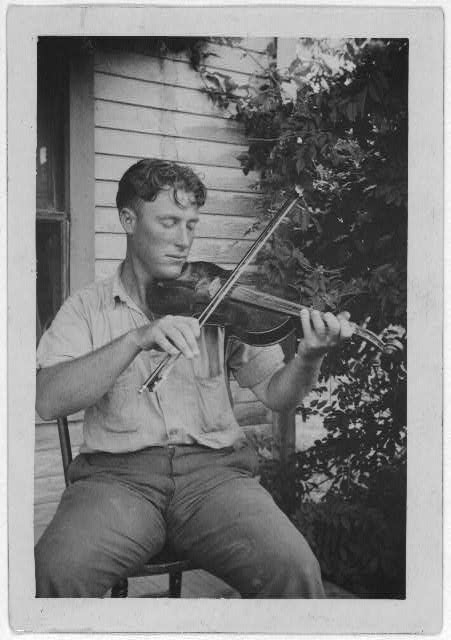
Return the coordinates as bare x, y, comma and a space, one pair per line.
164, 562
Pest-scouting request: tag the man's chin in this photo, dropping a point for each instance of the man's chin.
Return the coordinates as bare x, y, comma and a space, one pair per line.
170, 271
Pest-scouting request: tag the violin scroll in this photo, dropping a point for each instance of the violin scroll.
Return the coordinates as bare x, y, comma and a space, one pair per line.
389, 342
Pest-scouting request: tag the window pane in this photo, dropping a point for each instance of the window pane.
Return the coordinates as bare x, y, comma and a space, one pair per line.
49, 273
51, 104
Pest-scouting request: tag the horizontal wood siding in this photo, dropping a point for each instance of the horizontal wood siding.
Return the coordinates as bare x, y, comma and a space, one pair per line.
156, 107
146, 106
110, 168
193, 151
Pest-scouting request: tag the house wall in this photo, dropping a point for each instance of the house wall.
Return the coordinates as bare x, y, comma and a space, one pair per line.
147, 106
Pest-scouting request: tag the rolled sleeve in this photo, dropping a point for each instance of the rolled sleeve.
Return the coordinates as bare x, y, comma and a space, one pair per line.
68, 337
254, 366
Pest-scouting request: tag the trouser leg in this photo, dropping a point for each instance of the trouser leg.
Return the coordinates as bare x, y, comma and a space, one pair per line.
230, 526
101, 530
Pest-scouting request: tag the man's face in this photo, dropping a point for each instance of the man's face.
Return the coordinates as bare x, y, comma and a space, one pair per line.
164, 233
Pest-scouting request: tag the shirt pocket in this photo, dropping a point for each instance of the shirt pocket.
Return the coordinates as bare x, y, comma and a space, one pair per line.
214, 404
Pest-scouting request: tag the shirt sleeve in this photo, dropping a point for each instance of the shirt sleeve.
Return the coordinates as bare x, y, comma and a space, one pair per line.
253, 366
68, 337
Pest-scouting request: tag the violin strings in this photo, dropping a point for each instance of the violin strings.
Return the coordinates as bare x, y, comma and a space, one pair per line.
246, 294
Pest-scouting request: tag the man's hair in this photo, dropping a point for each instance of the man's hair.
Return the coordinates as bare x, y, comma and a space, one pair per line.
145, 179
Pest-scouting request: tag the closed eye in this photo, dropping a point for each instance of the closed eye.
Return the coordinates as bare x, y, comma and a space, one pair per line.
168, 222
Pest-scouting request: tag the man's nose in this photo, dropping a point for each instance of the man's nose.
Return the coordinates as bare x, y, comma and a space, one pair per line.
183, 236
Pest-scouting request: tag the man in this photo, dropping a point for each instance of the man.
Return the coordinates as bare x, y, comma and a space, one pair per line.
172, 465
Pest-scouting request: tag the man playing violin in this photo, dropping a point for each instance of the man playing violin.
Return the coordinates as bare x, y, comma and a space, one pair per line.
171, 466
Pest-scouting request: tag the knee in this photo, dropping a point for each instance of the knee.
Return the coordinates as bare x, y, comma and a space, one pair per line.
301, 560
63, 572
49, 569
305, 567
294, 572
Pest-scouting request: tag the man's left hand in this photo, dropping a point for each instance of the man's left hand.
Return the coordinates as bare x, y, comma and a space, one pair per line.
322, 332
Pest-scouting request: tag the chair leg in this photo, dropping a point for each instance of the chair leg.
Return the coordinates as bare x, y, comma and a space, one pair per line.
175, 584
120, 589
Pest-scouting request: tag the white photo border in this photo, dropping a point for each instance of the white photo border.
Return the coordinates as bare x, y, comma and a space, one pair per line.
421, 612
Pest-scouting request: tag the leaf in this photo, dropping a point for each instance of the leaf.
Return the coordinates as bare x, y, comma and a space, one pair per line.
315, 221
213, 79
229, 84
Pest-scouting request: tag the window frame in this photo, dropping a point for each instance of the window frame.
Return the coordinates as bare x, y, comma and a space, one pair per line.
77, 219
52, 214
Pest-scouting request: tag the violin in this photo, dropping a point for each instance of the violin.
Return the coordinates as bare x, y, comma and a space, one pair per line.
210, 293
254, 317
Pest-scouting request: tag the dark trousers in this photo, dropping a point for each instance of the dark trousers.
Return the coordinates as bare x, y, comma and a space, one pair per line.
120, 509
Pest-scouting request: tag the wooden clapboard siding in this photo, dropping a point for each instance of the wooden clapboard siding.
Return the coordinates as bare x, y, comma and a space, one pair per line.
159, 121
183, 149
245, 57
164, 71
110, 168
240, 63
167, 97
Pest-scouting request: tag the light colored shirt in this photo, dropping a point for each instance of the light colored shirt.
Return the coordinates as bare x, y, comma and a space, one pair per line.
192, 405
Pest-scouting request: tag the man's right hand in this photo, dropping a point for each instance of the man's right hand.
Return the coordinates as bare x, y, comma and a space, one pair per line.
173, 334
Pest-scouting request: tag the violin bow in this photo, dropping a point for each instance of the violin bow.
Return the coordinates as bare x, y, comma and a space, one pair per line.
163, 368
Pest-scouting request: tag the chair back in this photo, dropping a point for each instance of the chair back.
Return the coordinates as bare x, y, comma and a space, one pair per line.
66, 447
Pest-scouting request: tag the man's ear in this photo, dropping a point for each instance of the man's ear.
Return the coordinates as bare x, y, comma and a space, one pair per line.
128, 220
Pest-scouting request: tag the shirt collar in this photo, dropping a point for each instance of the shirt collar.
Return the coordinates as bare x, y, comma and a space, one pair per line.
119, 293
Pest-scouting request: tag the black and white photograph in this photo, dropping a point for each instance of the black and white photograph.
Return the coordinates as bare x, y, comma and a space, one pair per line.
229, 236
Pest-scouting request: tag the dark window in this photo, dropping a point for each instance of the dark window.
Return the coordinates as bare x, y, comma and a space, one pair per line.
52, 221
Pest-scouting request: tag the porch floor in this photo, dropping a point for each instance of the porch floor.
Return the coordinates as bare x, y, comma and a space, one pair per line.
200, 584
